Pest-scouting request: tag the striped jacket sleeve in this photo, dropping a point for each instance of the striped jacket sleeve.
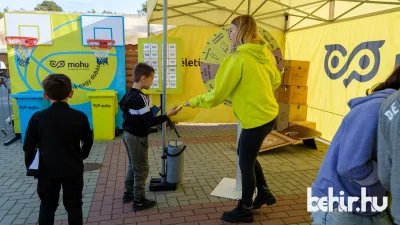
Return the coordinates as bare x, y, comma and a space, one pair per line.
145, 113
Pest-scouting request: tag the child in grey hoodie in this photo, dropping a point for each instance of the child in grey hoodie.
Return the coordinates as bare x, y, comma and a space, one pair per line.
389, 147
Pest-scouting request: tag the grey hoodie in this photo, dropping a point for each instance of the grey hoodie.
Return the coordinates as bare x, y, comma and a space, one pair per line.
389, 150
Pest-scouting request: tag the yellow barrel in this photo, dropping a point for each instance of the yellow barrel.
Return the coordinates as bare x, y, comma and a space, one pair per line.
104, 108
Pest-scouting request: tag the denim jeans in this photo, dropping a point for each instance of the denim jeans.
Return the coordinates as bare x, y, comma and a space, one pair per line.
138, 167
348, 218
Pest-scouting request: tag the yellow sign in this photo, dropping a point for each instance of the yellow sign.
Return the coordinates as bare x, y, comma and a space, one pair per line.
150, 52
344, 66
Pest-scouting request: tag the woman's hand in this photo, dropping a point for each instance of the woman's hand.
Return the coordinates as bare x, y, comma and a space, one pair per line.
186, 104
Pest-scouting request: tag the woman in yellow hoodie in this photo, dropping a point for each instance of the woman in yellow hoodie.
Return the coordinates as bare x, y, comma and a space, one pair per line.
250, 77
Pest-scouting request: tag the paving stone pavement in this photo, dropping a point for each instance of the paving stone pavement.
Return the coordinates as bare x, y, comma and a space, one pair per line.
209, 157
19, 203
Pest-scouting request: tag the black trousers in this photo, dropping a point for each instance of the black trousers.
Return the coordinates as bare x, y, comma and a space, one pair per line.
250, 142
49, 193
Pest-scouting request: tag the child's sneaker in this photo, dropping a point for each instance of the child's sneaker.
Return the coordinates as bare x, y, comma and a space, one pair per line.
143, 204
127, 197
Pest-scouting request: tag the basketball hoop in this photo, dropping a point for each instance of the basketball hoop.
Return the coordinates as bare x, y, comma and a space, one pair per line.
23, 48
101, 49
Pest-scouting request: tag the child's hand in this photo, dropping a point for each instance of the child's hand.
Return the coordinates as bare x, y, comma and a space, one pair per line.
174, 111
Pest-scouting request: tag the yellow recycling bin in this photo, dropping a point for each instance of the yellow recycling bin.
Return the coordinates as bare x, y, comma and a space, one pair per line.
104, 109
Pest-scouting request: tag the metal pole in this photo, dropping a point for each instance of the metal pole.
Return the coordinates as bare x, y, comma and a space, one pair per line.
286, 22
164, 78
332, 10
248, 7
148, 29
148, 36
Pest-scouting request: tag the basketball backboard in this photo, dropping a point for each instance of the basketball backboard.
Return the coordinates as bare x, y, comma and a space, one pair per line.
103, 27
29, 25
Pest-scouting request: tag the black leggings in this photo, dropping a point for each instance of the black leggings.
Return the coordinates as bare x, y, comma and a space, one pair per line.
250, 142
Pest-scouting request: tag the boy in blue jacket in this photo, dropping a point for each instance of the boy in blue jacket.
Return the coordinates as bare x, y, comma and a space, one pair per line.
350, 165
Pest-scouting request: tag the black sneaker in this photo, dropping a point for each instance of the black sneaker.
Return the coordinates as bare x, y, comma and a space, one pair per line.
264, 196
127, 197
241, 214
143, 204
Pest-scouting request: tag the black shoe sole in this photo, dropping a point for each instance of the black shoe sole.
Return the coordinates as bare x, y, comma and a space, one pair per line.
269, 201
144, 208
141, 209
127, 200
241, 220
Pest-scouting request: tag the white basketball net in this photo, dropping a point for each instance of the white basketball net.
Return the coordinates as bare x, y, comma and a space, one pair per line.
23, 48
101, 48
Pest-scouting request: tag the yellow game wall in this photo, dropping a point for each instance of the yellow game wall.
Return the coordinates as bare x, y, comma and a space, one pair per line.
67, 55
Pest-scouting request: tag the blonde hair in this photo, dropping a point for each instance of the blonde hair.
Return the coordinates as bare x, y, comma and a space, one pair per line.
247, 31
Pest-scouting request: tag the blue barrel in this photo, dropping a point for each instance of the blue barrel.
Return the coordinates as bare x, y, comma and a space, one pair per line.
28, 103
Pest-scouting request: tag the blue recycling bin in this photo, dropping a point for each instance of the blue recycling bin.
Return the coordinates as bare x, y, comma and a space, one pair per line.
28, 103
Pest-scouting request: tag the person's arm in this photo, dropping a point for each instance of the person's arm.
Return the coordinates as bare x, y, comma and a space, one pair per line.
154, 120
87, 138
226, 80
31, 141
384, 161
276, 78
140, 103
356, 147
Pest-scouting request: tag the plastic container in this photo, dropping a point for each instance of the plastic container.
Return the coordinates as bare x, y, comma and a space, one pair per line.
175, 162
104, 108
28, 103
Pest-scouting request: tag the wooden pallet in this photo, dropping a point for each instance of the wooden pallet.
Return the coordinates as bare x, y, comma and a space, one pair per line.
289, 136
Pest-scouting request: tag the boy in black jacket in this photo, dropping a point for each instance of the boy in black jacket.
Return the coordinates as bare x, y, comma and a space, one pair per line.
137, 122
58, 132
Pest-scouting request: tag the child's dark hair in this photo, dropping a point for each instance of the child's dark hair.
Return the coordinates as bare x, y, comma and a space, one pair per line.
393, 81
57, 86
140, 70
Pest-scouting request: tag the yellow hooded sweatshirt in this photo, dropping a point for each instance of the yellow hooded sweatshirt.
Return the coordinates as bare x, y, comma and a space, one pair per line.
250, 77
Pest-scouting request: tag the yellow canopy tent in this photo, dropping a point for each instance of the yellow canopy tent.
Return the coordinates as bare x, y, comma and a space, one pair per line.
303, 24
304, 29
284, 15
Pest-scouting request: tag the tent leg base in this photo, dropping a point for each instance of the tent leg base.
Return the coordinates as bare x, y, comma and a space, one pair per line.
16, 137
156, 184
227, 189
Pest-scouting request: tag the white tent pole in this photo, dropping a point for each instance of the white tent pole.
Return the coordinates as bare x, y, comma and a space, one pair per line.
164, 92
148, 36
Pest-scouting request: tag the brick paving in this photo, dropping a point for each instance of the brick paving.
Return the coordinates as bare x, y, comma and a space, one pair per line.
209, 157
19, 203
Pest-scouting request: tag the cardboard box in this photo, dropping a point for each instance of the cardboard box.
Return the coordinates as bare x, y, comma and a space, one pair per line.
276, 94
296, 72
309, 124
290, 112
293, 95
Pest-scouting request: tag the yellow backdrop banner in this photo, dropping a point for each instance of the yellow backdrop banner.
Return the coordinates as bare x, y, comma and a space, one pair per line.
345, 59
194, 39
